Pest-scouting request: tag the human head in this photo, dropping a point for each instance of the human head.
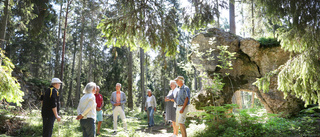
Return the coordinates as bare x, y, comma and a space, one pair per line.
118, 86
97, 89
173, 84
149, 92
56, 82
90, 88
180, 80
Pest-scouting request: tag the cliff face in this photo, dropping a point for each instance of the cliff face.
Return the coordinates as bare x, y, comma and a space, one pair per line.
252, 61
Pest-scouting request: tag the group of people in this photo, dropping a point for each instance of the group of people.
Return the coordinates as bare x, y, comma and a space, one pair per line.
90, 107
177, 100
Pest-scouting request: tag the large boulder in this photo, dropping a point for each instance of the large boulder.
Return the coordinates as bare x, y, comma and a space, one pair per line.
252, 62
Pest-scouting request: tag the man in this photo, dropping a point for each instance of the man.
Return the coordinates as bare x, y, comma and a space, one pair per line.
50, 107
182, 100
99, 101
118, 99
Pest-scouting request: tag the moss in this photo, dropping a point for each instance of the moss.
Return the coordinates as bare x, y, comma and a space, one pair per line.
268, 42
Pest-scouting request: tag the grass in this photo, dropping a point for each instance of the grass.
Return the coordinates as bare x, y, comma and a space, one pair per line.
250, 122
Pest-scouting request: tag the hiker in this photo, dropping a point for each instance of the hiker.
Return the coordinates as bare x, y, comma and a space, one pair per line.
182, 100
151, 104
171, 106
87, 110
50, 107
118, 99
99, 101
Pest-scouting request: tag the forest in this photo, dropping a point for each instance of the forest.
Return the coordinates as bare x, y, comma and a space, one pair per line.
252, 66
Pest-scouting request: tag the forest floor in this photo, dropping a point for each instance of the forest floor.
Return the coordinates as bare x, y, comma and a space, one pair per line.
29, 123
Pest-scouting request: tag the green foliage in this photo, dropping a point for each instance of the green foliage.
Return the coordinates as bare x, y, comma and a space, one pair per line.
9, 86
142, 23
301, 35
268, 42
250, 123
201, 13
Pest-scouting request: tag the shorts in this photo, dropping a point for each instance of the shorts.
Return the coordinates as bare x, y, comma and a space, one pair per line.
181, 117
99, 116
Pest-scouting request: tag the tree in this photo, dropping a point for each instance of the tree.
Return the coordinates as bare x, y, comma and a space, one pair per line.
301, 35
141, 24
9, 86
130, 61
142, 87
4, 24
232, 17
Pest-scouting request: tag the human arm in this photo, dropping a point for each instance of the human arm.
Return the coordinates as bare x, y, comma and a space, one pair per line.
155, 103
111, 100
102, 103
90, 105
124, 99
184, 104
186, 100
55, 112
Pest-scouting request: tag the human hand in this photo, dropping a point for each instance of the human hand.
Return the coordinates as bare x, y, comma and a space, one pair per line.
79, 117
98, 109
181, 110
58, 118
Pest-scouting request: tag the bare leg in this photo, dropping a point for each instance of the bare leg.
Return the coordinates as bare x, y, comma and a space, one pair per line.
99, 126
175, 128
183, 130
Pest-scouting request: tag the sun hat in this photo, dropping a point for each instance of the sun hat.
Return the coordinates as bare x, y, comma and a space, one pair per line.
56, 80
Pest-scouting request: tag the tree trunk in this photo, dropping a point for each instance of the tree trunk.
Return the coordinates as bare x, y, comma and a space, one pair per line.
63, 49
252, 100
218, 14
252, 18
69, 101
195, 78
232, 17
56, 70
130, 102
142, 78
4, 24
80, 62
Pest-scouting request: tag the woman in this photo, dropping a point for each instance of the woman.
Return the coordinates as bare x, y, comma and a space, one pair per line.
171, 106
87, 110
151, 104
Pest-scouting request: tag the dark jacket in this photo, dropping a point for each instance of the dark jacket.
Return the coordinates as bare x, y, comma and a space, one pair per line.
50, 100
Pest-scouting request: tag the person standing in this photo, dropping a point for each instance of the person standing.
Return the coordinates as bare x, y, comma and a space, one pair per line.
151, 104
50, 107
171, 106
99, 101
182, 100
118, 99
87, 110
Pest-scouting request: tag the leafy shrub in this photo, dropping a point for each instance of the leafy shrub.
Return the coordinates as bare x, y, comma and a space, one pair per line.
248, 124
268, 42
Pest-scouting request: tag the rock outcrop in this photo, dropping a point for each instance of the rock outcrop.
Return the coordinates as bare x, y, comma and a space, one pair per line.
252, 62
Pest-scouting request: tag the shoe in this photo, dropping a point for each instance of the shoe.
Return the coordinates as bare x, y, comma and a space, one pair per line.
98, 134
114, 133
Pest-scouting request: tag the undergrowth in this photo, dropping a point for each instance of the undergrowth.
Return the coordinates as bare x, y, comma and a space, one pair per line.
250, 123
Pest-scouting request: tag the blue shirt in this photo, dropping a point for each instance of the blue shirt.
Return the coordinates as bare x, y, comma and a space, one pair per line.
182, 95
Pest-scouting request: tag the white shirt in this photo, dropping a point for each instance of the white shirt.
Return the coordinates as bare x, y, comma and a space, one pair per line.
149, 101
175, 91
87, 106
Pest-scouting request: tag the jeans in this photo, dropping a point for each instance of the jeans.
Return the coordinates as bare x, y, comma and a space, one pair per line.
88, 127
151, 120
